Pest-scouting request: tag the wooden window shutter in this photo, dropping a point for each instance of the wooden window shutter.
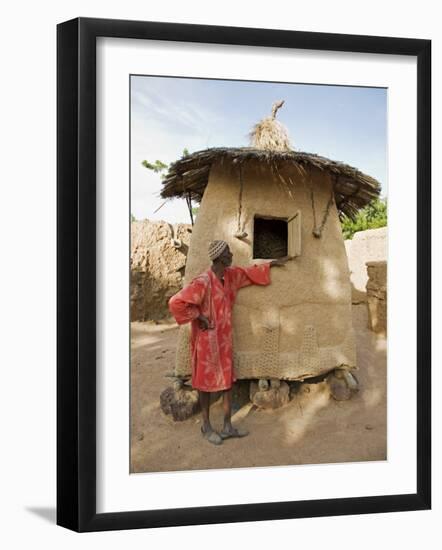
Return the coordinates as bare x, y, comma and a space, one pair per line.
294, 235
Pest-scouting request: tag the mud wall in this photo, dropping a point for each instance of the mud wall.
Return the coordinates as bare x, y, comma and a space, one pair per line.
377, 296
158, 259
366, 246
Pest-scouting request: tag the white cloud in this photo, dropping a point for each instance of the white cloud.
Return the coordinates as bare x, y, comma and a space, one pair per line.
176, 112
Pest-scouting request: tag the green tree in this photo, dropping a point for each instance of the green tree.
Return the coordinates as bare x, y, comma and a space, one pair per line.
373, 216
133, 218
158, 166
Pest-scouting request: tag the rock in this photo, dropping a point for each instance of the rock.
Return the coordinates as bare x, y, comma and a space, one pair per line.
295, 388
263, 384
181, 404
177, 384
339, 389
342, 383
339, 373
270, 399
351, 381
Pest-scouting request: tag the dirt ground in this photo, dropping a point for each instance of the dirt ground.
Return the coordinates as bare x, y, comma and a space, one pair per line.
312, 429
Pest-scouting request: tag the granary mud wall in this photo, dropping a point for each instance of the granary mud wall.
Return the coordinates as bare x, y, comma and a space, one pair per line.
300, 325
158, 259
366, 246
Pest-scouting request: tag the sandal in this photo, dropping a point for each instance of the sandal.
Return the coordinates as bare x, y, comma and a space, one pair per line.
212, 437
236, 432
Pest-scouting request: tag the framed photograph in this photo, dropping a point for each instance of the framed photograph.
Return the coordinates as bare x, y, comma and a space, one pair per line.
229, 200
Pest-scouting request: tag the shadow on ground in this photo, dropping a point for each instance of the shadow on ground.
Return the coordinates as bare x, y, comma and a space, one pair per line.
312, 429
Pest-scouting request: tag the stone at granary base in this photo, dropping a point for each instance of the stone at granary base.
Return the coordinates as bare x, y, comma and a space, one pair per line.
295, 387
272, 398
338, 388
377, 296
342, 384
181, 404
263, 384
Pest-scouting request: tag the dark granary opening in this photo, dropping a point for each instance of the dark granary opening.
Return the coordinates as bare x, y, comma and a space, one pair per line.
270, 238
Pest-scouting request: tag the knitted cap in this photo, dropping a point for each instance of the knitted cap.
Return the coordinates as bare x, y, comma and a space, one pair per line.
216, 248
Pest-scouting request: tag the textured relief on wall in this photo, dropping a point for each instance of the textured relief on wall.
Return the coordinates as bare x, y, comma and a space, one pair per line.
270, 351
309, 361
309, 357
266, 360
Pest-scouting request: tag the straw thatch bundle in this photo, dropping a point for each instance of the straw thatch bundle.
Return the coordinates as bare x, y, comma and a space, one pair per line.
269, 134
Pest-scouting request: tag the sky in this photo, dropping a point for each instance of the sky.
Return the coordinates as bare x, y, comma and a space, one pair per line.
347, 124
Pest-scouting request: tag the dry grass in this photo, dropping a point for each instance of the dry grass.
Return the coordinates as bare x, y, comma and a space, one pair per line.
269, 134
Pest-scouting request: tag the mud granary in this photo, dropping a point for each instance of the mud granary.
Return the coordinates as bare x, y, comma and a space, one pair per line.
268, 201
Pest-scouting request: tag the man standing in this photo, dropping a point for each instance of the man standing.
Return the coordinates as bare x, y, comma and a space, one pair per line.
207, 303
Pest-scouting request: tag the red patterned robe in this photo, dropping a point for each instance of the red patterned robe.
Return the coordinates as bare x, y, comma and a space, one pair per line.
211, 349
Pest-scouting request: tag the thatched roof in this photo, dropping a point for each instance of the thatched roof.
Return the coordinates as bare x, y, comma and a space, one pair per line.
189, 175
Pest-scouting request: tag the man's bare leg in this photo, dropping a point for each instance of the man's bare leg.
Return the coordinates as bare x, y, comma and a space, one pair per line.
227, 408
209, 433
204, 397
228, 430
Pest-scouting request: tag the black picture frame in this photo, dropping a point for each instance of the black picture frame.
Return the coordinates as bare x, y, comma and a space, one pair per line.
76, 274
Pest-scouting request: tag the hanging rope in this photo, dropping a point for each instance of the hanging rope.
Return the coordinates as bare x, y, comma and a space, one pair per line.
189, 205
327, 211
312, 197
240, 233
241, 185
317, 231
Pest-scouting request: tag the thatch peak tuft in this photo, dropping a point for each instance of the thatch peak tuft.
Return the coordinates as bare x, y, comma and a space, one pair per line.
269, 134
276, 106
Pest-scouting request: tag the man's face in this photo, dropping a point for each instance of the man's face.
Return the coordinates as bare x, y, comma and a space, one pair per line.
226, 257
